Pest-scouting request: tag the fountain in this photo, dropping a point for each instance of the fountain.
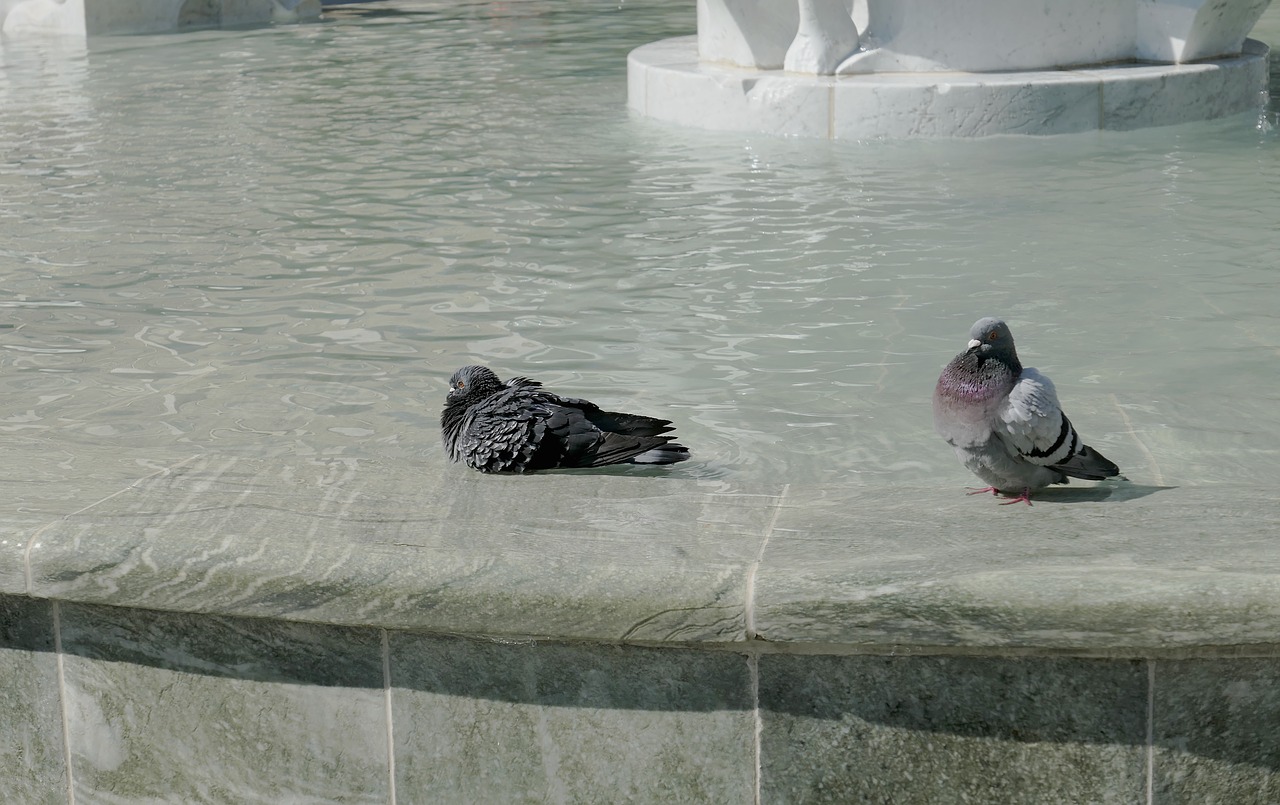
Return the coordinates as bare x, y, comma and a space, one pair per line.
907, 68
238, 267
80, 18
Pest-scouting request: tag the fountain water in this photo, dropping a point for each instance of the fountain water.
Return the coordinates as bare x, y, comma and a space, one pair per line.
901, 68
238, 267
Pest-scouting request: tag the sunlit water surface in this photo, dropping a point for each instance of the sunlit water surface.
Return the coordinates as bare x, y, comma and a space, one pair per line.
282, 241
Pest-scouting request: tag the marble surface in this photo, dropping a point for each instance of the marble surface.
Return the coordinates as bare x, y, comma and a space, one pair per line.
825, 38
168, 707
992, 35
1040, 730
172, 707
42, 17
1089, 568
81, 18
32, 767
440, 548
647, 558
1214, 729
513, 722
667, 82
1136, 96
1168, 30
166, 16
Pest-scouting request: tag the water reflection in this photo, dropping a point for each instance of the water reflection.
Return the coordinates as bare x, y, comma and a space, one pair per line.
284, 240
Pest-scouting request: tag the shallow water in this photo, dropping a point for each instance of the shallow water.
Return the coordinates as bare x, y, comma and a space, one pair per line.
284, 240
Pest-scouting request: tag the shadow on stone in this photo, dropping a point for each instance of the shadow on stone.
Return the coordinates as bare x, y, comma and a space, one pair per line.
196, 14
1116, 492
563, 675
934, 729
833, 728
236, 648
1000, 698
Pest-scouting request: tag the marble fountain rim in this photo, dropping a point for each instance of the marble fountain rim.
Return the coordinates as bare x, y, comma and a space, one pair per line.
1111, 569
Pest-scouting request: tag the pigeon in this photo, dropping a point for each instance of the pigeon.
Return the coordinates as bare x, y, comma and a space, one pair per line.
518, 426
1005, 422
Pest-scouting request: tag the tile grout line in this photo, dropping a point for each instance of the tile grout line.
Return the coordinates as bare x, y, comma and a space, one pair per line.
391, 734
753, 673
62, 700
753, 657
1151, 731
831, 111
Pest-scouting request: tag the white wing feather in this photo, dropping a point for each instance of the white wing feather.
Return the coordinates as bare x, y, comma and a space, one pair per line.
1031, 421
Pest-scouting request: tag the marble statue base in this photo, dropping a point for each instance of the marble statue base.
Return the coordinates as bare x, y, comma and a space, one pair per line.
97, 17
666, 81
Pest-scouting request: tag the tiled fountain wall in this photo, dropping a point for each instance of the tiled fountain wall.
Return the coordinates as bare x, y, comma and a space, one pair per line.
107, 704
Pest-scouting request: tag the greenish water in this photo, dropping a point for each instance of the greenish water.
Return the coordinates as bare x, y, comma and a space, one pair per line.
283, 241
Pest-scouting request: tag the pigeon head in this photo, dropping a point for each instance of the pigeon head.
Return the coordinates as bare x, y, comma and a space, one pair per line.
471, 383
990, 338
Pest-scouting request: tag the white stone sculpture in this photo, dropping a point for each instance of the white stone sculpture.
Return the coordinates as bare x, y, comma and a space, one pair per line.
888, 68
91, 17
975, 35
41, 16
825, 37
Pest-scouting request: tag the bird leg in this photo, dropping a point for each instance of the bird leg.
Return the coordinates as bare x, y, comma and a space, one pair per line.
1025, 497
991, 489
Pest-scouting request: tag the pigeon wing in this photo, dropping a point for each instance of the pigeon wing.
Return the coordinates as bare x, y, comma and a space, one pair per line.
500, 432
616, 422
564, 438
1031, 422
577, 433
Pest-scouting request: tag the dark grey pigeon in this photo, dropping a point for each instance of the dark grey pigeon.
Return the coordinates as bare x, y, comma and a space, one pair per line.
1005, 422
518, 426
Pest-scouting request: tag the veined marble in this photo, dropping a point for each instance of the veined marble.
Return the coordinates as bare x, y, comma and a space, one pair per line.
93, 17
864, 36
667, 82
908, 68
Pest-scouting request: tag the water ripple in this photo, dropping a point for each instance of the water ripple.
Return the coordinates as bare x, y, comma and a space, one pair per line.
283, 241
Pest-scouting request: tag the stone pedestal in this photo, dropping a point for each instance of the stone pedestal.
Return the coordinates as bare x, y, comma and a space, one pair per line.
93, 17
901, 68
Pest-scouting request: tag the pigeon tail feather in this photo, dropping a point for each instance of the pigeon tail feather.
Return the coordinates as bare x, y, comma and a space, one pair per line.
669, 453
1089, 465
630, 424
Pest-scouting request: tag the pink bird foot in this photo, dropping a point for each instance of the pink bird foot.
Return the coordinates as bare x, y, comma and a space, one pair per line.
1025, 497
972, 491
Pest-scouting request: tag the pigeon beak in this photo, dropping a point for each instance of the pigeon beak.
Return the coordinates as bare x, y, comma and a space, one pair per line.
974, 343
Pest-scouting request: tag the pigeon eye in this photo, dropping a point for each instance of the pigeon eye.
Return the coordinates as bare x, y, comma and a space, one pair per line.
993, 335
461, 384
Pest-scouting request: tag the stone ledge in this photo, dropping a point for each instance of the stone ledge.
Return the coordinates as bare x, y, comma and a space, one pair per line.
1120, 570
112, 704
667, 82
81, 18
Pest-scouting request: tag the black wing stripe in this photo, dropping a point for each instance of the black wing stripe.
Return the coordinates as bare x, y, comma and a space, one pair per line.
1062, 437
